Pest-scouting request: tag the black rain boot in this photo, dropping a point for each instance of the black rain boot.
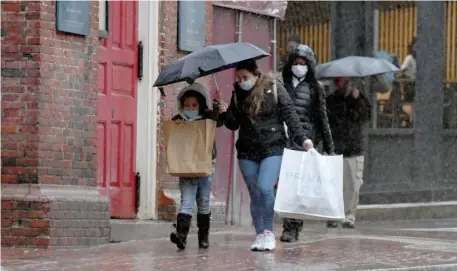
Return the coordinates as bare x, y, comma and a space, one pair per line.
179, 238
203, 223
289, 231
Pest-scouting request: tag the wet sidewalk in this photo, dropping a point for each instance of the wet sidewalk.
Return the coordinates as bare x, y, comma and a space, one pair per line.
429, 245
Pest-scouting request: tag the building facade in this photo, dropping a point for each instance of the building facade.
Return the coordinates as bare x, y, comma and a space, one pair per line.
75, 112
81, 122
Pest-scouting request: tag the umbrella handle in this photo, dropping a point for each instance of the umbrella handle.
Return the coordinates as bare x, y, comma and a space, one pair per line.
215, 83
162, 92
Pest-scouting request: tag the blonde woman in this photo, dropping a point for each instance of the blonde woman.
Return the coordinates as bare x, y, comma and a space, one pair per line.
259, 108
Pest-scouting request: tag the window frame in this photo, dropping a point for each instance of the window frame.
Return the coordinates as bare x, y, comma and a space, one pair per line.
104, 33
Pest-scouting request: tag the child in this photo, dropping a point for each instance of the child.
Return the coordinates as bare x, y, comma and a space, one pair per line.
194, 102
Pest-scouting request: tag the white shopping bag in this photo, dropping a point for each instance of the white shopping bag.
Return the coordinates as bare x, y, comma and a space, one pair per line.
310, 186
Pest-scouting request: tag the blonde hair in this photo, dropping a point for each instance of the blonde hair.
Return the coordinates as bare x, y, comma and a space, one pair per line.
256, 96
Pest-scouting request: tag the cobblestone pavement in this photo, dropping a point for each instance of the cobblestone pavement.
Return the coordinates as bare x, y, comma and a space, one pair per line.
408, 246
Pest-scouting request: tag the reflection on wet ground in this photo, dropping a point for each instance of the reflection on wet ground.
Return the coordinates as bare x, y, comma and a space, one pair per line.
371, 246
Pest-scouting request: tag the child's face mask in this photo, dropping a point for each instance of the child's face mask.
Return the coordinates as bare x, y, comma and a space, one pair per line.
190, 114
191, 107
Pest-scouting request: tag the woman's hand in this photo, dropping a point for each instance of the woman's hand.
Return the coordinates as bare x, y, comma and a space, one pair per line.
222, 106
308, 144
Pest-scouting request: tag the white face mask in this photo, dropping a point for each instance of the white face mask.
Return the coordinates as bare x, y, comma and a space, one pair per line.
247, 85
300, 71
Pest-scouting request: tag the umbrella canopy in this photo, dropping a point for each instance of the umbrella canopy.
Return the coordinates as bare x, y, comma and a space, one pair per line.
208, 60
390, 58
354, 66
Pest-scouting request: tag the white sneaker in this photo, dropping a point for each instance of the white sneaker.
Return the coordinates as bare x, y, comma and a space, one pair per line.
258, 243
269, 241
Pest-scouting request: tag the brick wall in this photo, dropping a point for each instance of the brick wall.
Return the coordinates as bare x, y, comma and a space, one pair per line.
168, 52
48, 129
20, 68
48, 98
25, 223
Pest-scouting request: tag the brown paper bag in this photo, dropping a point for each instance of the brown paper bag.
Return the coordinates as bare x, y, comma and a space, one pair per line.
189, 147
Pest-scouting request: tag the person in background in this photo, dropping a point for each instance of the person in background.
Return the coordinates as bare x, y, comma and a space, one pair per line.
194, 104
259, 108
292, 42
348, 109
409, 68
309, 102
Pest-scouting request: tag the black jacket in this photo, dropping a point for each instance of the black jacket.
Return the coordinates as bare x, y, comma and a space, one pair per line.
264, 135
347, 116
311, 108
209, 114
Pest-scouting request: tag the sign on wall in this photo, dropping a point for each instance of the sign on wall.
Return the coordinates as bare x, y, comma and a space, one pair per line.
73, 17
191, 25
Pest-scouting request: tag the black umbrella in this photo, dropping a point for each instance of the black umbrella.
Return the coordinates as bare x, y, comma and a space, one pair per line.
206, 61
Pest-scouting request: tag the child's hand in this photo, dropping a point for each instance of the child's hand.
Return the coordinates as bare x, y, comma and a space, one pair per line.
179, 121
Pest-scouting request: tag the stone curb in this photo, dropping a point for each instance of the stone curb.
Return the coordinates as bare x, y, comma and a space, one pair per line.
407, 211
441, 267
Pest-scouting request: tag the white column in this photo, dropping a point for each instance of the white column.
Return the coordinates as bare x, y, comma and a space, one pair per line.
146, 150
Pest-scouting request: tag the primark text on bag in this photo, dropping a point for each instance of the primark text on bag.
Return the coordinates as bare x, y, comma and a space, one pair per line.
310, 186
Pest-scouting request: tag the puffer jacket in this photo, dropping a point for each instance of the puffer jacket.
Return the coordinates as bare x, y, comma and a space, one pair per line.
264, 135
309, 101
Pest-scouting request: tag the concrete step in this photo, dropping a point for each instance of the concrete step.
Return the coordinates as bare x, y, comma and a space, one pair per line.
401, 211
407, 211
126, 230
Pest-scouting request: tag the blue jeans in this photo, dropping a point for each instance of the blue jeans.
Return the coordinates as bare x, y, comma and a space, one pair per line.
260, 180
195, 190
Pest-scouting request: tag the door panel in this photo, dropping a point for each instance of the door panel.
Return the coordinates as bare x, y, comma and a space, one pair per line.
256, 30
224, 19
117, 109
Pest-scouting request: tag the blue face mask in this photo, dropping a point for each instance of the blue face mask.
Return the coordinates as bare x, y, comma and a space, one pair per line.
191, 114
247, 85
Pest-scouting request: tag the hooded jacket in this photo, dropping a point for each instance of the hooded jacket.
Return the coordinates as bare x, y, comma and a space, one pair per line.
309, 99
208, 114
263, 135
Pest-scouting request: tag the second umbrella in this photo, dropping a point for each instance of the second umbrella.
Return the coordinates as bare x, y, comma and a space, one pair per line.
354, 66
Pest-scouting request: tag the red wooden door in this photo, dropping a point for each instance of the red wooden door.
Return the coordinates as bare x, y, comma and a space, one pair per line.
117, 109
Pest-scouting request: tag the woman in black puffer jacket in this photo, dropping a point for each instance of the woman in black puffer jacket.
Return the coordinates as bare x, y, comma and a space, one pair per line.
309, 99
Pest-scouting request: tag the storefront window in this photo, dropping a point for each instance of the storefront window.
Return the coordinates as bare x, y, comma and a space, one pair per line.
395, 109
396, 40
